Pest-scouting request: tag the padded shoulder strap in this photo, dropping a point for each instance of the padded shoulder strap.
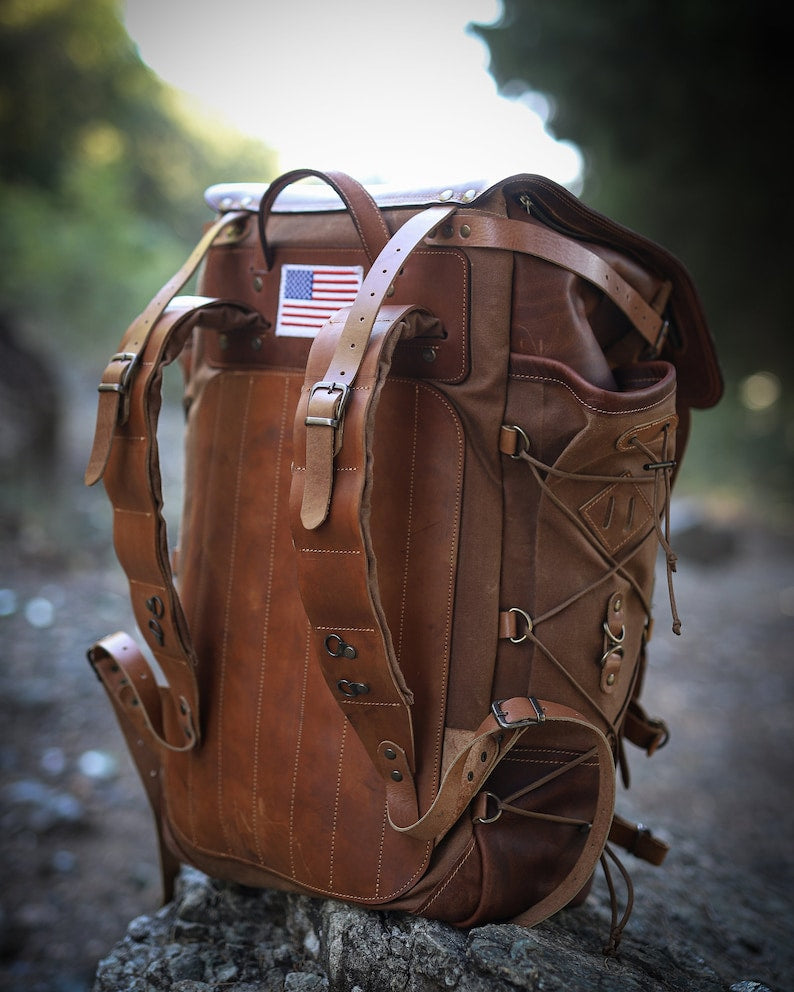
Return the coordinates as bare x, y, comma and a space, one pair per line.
126, 456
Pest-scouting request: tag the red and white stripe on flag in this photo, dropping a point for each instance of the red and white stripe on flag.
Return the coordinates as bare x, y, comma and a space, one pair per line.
310, 294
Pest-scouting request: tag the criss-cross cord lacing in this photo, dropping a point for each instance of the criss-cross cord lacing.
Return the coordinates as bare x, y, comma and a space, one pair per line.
665, 467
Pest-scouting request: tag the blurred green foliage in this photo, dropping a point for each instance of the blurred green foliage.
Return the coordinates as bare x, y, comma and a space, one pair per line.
101, 174
681, 111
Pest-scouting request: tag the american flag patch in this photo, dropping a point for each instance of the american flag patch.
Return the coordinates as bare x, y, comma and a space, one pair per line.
310, 294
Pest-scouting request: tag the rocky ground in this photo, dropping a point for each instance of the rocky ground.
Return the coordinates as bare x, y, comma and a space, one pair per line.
77, 847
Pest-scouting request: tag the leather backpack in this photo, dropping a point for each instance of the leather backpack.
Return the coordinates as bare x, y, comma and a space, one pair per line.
429, 448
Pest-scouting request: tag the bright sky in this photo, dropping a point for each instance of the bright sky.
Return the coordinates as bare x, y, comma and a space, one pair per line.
388, 91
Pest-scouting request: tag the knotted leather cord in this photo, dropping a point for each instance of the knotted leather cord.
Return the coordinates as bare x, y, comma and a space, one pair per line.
617, 926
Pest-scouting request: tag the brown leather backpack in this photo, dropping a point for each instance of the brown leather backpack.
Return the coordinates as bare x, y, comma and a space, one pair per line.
428, 464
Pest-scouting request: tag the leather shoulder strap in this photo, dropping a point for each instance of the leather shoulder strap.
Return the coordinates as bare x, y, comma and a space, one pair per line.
126, 456
482, 230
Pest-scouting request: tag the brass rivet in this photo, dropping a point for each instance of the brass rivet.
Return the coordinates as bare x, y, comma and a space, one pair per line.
611, 678
390, 290
447, 231
618, 605
256, 343
465, 231
258, 283
397, 776
469, 195
470, 776
446, 194
429, 354
484, 756
390, 753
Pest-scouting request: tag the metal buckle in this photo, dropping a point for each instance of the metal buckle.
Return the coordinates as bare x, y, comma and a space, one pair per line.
126, 375
332, 387
502, 717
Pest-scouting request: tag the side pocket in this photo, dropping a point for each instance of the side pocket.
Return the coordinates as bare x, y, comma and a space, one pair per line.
585, 488
541, 826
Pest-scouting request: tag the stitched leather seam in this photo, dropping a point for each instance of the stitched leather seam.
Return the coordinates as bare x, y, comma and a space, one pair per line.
310, 886
411, 493
202, 582
227, 625
354, 702
611, 413
275, 489
298, 745
355, 630
336, 803
337, 468
380, 848
549, 761
464, 858
587, 513
326, 551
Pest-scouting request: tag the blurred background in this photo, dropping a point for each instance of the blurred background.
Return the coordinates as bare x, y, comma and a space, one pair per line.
671, 118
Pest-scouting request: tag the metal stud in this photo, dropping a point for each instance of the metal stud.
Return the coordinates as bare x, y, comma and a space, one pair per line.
397, 776
390, 753
446, 194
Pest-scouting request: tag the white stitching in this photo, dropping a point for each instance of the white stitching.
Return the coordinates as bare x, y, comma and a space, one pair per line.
266, 621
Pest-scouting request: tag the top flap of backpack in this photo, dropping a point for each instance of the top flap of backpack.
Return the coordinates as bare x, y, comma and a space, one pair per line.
688, 346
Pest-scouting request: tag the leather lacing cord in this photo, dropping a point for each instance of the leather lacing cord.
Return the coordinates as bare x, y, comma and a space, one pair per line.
507, 805
617, 926
665, 467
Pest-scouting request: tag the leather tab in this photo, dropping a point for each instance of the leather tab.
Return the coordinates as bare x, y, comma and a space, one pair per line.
638, 840
614, 636
131, 684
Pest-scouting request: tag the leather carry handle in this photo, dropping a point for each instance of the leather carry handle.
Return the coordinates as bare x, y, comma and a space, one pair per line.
360, 205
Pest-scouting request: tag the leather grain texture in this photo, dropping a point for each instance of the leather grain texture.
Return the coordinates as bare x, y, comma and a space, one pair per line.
406, 637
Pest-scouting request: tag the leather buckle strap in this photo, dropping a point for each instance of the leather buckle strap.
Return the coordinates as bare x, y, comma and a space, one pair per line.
338, 408
347, 358
486, 231
501, 711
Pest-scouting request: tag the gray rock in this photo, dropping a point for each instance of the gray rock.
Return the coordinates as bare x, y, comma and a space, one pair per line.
217, 936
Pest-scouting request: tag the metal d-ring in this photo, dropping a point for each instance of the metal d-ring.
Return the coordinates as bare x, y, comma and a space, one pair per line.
497, 814
524, 445
527, 620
